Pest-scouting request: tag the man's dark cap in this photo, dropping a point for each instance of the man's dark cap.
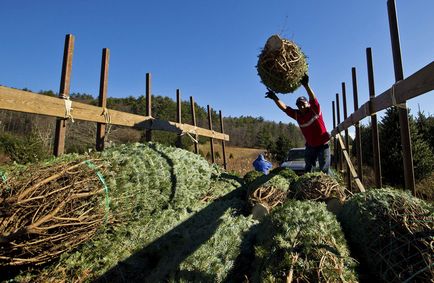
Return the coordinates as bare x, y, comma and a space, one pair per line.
300, 100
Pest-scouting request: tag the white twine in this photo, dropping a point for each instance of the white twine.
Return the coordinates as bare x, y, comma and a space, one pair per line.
191, 137
108, 120
68, 107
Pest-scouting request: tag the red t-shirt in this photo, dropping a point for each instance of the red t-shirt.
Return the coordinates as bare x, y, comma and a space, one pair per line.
311, 124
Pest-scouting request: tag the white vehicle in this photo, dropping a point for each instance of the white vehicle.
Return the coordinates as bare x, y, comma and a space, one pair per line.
295, 160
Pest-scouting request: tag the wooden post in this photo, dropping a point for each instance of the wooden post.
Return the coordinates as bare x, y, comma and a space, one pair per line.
358, 137
211, 140
344, 105
403, 112
193, 121
65, 81
102, 99
223, 142
148, 133
335, 144
374, 125
347, 158
338, 115
178, 116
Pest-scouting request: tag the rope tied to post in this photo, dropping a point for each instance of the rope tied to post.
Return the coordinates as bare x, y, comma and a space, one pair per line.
392, 96
194, 139
68, 107
108, 120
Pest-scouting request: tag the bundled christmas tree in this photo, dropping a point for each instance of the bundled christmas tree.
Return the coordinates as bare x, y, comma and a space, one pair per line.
281, 65
268, 191
302, 242
393, 233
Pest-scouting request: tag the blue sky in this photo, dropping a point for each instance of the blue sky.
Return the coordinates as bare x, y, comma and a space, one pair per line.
209, 49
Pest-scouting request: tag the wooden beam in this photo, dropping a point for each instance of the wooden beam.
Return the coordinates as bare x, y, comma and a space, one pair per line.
350, 165
65, 81
344, 105
148, 134
28, 102
358, 137
374, 125
193, 122
178, 116
211, 140
222, 129
102, 99
404, 126
415, 85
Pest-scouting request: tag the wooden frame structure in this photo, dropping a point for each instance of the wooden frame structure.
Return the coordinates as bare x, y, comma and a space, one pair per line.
416, 84
63, 108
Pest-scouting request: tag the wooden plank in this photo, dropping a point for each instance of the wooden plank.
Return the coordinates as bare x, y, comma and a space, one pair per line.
211, 140
148, 134
28, 102
162, 125
193, 122
344, 105
102, 99
178, 116
415, 85
65, 81
402, 111
374, 124
350, 165
358, 137
338, 116
222, 129
335, 144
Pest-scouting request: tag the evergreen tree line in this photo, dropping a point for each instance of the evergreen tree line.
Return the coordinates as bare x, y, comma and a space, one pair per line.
245, 131
422, 144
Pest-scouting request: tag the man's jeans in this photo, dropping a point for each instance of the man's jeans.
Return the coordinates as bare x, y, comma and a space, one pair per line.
322, 153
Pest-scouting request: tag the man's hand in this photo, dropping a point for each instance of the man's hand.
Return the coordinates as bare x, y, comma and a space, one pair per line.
305, 80
271, 95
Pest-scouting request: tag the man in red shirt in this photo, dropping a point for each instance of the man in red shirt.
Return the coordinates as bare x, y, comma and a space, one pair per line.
310, 120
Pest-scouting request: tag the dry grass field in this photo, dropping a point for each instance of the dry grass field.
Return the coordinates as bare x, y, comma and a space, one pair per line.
239, 159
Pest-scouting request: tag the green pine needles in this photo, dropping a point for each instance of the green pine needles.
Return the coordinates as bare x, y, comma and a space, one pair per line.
393, 233
302, 242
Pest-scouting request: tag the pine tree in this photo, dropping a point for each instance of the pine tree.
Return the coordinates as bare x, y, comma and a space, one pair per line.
391, 150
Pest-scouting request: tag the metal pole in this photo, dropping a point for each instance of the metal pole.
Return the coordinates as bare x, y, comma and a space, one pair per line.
374, 124
403, 112
358, 138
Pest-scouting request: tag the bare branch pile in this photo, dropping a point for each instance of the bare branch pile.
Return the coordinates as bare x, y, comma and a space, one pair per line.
318, 186
267, 191
45, 211
281, 65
